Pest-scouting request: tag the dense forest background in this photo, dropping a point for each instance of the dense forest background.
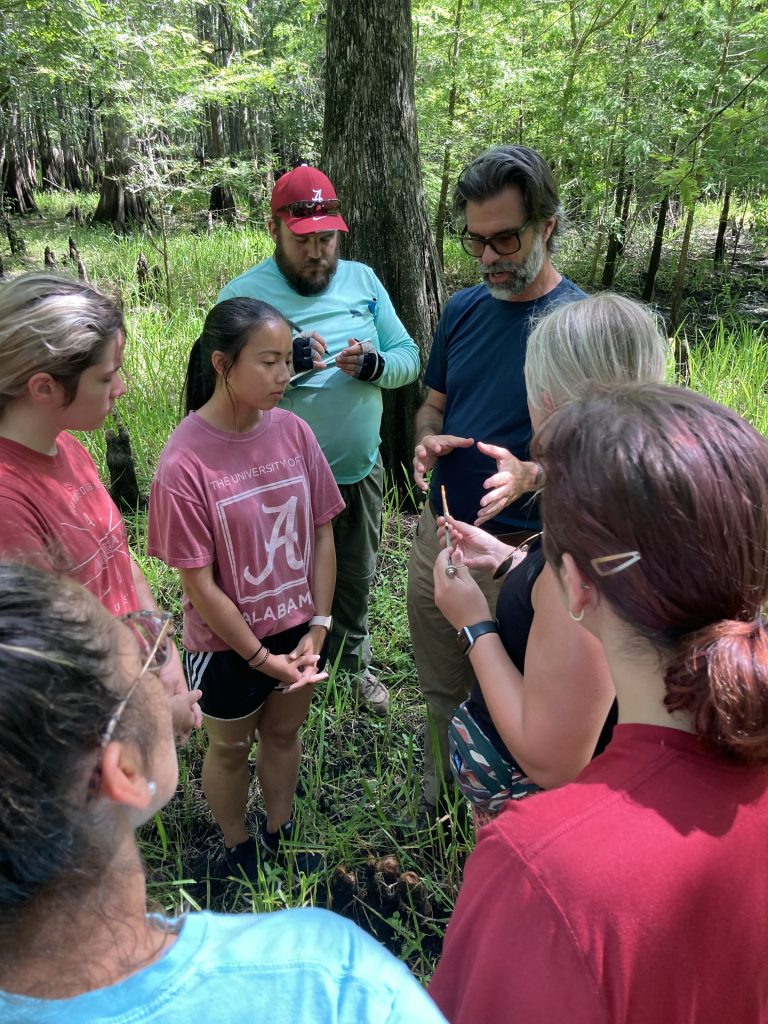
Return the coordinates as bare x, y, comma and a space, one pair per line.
647, 110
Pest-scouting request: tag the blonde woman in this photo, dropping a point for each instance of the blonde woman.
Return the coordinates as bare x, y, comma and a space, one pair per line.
542, 692
61, 353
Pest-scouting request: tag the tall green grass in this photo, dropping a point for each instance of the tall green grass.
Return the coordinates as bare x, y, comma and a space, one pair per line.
730, 364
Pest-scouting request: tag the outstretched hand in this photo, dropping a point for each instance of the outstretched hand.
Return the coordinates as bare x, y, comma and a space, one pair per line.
512, 478
185, 710
429, 449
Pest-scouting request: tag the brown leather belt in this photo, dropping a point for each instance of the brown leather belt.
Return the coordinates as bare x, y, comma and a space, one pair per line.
514, 539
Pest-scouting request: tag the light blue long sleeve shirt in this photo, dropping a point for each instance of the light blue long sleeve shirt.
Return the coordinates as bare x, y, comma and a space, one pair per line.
343, 412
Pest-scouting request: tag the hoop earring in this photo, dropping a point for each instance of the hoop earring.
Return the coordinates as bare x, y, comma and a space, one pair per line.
576, 618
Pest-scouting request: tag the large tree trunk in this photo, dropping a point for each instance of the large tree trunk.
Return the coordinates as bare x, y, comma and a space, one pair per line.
681, 352
371, 154
49, 156
92, 148
17, 172
122, 207
617, 229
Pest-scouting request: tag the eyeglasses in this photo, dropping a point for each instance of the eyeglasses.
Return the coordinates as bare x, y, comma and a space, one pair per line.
503, 243
152, 631
311, 207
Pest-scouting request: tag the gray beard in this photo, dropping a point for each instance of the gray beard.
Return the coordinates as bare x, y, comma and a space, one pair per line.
297, 280
522, 274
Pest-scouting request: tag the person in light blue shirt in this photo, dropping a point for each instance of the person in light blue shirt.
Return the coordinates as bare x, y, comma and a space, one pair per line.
86, 757
350, 344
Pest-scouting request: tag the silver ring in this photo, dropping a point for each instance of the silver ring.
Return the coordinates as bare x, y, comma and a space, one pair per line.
450, 570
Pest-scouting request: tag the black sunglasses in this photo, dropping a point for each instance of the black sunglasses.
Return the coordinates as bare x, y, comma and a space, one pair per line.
311, 207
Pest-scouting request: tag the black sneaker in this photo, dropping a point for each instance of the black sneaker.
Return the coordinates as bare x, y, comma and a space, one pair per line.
243, 859
278, 846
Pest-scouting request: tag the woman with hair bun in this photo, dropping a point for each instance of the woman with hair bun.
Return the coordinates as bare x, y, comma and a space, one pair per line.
76, 942
639, 892
61, 354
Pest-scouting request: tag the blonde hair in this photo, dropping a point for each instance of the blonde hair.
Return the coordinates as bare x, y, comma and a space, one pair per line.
604, 338
52, 324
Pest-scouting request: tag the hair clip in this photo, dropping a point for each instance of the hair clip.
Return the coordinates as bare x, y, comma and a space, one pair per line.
629, 558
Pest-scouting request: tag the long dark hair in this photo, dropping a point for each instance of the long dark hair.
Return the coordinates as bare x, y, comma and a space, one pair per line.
227, 329
683, 481
59, 690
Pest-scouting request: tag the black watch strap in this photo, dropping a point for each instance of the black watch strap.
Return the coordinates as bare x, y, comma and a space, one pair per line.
466, 637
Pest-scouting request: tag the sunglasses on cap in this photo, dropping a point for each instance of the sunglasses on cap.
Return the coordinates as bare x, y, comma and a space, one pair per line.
311, 208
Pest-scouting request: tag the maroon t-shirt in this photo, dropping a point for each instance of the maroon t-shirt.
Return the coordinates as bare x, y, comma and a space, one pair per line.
248, 505
638, 894
55, 513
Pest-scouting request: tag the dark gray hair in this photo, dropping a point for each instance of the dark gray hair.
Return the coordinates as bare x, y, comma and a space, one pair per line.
504, 167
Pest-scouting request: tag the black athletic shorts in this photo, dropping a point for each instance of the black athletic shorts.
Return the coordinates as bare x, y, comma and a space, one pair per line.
231, 688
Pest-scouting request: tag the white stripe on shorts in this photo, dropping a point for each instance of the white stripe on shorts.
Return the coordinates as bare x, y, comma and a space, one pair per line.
195, 664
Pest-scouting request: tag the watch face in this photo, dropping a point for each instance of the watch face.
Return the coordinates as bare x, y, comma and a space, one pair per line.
464, 640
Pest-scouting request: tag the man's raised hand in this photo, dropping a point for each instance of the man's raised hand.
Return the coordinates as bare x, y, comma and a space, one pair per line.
429, 449
511, 479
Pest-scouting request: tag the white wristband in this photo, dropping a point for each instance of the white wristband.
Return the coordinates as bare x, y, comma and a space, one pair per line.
321, 620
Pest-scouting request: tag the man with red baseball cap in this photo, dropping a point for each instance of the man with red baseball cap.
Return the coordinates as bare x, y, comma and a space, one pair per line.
349, 345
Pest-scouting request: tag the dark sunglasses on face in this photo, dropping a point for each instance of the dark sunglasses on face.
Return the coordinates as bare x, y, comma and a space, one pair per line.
312, 208
503, 243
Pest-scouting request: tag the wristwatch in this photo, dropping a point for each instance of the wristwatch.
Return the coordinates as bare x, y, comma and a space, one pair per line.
466, 637
321, 620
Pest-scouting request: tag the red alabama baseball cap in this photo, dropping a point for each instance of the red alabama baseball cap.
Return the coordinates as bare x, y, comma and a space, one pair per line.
306, 201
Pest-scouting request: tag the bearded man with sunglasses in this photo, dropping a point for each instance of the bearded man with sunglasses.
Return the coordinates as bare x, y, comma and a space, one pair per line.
474, 429
349, 345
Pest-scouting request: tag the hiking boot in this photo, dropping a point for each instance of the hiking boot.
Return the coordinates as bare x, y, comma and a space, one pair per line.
372, 692
277, 846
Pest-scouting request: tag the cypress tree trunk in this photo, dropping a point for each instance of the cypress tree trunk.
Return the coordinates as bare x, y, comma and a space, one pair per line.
119, 206
681, 352
17, 174
614, 239
371, 154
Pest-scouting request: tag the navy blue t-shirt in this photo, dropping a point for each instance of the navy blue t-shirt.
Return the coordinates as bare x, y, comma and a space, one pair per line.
477, 361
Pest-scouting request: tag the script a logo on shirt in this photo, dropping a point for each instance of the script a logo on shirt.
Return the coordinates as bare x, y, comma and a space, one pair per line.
283, 536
